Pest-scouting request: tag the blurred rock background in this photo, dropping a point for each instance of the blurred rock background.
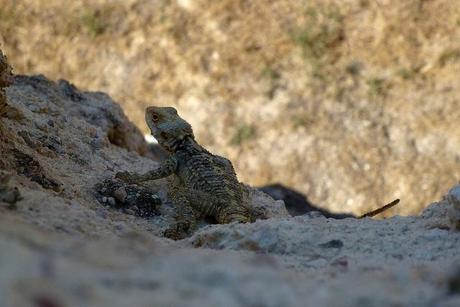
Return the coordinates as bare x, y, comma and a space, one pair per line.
353, 103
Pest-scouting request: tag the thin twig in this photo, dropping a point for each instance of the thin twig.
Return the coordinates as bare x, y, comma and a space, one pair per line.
380, 210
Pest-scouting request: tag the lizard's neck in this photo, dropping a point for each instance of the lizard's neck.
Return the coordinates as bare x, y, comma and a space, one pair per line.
187, 143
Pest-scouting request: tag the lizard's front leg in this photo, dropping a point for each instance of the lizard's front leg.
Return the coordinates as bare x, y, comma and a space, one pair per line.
165, 169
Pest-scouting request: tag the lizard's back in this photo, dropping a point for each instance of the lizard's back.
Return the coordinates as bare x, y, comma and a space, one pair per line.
217, 190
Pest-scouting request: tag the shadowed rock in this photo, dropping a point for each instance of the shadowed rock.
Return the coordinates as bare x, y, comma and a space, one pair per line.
6, 79
297, 203
131, 199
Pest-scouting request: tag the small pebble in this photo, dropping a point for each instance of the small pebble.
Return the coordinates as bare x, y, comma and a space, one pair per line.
120, 194
119, 226
314, 214
332, 244
318, 263
129, 211
111, 201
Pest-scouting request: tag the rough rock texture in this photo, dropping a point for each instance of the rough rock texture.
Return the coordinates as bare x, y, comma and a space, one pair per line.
61, 247
453, 197
284, 262
321, 241
9, 195
131, 199
5, 81
353, 103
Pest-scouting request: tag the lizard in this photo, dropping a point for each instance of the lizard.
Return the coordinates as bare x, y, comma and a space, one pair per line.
204, 185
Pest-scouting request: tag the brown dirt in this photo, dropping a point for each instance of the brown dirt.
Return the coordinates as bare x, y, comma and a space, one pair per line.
353, 103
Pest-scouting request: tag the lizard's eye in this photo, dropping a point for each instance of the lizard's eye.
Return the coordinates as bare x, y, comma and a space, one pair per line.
155, 117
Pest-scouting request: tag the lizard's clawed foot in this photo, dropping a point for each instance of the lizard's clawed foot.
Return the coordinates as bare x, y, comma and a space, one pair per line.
177, 231
126, 177
257, 214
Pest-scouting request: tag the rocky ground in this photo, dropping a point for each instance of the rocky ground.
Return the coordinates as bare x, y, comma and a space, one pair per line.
63, 244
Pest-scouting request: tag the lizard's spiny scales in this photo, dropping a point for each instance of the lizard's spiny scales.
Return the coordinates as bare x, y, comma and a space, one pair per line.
206, 184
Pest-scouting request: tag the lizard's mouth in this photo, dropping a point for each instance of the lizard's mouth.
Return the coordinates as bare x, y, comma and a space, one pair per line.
158, 134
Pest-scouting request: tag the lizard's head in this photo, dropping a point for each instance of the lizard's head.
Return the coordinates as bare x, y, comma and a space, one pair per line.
167, 127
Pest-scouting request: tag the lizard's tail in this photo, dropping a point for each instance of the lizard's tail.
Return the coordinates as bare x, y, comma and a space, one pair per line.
380, 210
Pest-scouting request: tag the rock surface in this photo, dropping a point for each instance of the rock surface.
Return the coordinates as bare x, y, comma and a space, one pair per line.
5, 81
284, 262
453, 197
61, 247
